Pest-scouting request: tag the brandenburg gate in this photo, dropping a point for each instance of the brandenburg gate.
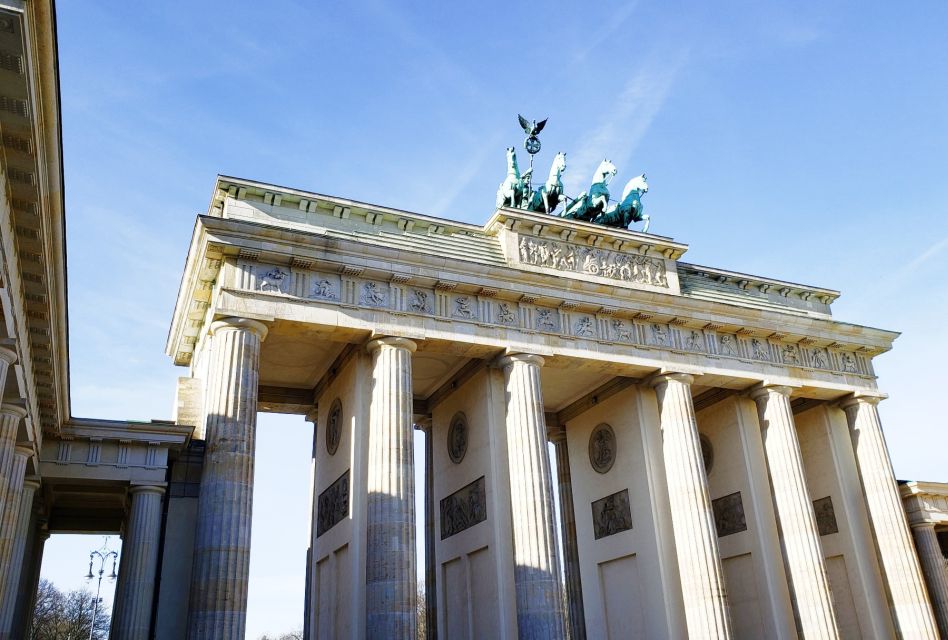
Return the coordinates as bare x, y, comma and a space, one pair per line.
721, 467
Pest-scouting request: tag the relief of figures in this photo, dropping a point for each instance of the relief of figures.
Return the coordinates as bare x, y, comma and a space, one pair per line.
545, 320
726, 346
584, 328
659, 335
622, 330
274, 279
462, 307
597, 262
612, 514
464, 508
324, 289
819, 358
372, 295
693, 343
419, 301
825, 516
789, 354
761, 352
729, 514
333, 505
849, 363
505, 314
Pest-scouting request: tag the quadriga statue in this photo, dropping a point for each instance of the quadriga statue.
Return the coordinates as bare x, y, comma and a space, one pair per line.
588, 205
513, 191
629, 209
548, 196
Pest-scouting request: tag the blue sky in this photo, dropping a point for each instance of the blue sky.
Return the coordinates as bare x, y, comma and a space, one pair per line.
808, 143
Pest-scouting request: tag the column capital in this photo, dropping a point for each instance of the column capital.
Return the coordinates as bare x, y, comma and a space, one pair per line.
23, 450
8, 354
527, 358
922, 524
556, 433
763, 390
240, 324
861, 398
32, 482
312, 415
391, 341
666, 376
13, 410
145, 488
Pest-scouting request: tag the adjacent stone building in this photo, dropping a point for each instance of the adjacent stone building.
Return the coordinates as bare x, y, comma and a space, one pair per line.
720, 465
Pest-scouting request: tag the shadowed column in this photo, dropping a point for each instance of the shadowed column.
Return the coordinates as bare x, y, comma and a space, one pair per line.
536, 568
131, 616
936, 571
219, 578
799, 537
574, 586
15, 473
696, 540
903, 576
390, 577
16, 559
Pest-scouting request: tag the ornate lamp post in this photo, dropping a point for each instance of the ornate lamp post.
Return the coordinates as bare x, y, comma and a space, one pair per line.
103, 556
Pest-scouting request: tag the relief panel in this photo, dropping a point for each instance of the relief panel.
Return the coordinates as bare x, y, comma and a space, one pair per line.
729, 514
333, 505
593, 261
612, 514
464, 508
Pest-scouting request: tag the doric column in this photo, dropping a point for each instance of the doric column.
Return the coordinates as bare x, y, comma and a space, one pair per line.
131, 614
309, 593
30, 584
10, 416
21, 532
219, 578
574, 585
16, 472
390, 580
935, 569
696, 540
911, 608
431, 562
799, 537
536, 568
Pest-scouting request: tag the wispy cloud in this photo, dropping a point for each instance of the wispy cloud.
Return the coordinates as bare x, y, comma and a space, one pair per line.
633, 110
463, 176
929, 253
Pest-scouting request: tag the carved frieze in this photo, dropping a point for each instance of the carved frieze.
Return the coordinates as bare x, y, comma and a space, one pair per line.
546, 320
464, 508
825, 516
333, 504
729, 514
760, 349
727, 345
623, 331
612, 514
593, 261
819, 358
464, 307
659, 335
694, 341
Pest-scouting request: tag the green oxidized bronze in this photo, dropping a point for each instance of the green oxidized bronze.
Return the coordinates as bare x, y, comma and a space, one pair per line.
590, 206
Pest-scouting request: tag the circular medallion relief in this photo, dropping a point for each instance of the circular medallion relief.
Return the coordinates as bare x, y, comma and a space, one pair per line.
457, 438
602, 448
334, 426
707, 454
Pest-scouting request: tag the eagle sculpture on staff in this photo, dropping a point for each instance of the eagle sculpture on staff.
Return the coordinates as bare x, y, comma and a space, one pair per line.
531, 129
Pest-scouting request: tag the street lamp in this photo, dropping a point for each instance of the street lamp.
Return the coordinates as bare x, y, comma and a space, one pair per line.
103, 556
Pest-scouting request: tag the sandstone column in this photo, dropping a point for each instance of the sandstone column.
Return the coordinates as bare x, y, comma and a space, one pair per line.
574, 585
696, 540
903, 576
799, 536
131, 615
935, 568
10, 416
21, 532
390, 580
31, 577
219, 577
8, 525
536, 568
